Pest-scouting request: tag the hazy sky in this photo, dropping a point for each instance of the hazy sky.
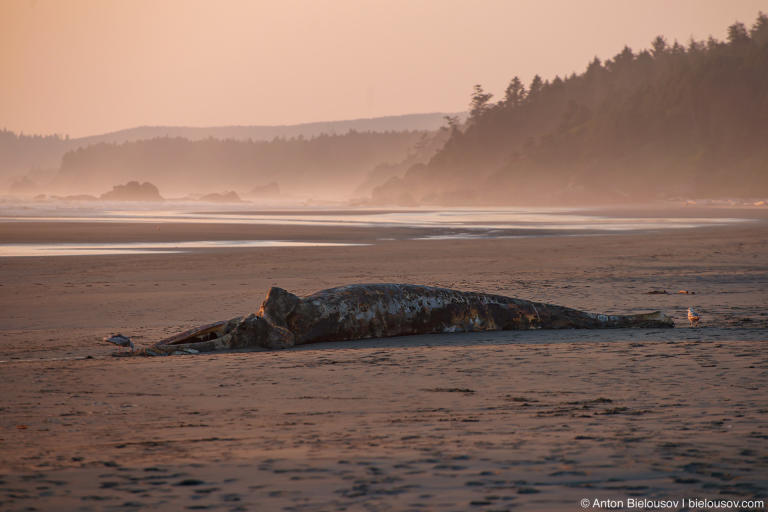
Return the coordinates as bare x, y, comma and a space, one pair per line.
84, 67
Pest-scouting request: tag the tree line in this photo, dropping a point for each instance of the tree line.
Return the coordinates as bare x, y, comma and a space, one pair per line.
326, 165
669, 121
20, 153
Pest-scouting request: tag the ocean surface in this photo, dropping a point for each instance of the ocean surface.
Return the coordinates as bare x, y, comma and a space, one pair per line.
443, 223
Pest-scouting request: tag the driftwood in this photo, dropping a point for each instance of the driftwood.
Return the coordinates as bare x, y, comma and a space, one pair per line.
380, 310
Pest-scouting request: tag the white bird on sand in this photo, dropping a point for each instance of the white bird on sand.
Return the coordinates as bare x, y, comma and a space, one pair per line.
693, 317
120, 341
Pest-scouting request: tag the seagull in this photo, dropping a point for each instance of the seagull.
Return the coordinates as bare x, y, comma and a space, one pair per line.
120, 341
693, 317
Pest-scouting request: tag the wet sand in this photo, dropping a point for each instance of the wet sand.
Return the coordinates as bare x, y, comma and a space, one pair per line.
489, 421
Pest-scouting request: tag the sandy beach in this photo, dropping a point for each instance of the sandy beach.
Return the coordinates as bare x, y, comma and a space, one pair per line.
489, 421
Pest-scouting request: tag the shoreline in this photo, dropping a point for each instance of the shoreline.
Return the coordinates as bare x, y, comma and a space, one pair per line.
367, 225
162, 231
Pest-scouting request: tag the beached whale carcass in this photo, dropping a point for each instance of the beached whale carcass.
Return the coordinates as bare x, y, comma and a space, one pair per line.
380, 310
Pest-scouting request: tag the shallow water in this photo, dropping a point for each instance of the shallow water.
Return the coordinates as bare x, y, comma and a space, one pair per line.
92, 249
475, 219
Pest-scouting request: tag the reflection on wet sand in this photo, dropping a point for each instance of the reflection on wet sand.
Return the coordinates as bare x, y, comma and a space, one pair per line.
559, 219
92, 249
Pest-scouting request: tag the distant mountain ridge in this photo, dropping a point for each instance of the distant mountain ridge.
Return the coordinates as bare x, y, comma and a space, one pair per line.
20, 153
407, 122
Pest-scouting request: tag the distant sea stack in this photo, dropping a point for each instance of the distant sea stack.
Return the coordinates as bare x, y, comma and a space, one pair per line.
225, 197
133, 191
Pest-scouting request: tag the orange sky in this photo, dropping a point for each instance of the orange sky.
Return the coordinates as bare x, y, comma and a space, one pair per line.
88, 66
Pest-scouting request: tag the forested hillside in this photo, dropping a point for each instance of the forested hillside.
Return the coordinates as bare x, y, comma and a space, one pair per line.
24, 156
20, 154
667, 122
327, 166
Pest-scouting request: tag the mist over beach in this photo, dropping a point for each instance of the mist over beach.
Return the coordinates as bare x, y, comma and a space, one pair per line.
335, 255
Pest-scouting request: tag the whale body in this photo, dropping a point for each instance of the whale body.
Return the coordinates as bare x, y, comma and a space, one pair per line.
362, 311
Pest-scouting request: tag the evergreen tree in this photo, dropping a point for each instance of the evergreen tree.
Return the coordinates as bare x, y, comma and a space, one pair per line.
515, 93
479, 103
